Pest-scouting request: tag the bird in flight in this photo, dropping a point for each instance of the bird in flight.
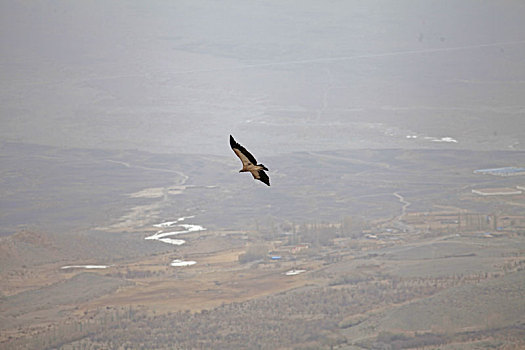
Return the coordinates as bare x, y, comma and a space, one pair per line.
249, 163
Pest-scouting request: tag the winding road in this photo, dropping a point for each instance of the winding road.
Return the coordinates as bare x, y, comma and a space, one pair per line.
404, 207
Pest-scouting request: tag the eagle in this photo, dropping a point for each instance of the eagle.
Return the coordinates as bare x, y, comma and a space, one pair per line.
249, 163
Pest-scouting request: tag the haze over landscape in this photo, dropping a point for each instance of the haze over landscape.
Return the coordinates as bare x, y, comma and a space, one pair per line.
123, 216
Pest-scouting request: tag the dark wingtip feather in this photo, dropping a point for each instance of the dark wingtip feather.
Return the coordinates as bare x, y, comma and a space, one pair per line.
263, 177
235, 145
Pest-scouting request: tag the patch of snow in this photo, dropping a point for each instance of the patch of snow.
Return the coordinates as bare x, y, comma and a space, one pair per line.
172, 241
445, 139
178, 263
192, 228
188, 229
171, 223
84, 267
161, 236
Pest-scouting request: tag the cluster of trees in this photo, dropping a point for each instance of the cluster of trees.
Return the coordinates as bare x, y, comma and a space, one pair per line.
132, 274
397, 341
253, 253
317, 233
311, 316
307, 317
515, 265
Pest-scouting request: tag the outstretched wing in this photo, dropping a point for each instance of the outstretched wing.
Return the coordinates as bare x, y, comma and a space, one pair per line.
261, 176
241, 152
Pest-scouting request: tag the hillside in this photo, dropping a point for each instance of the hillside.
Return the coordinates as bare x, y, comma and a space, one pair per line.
488, 304
364, 248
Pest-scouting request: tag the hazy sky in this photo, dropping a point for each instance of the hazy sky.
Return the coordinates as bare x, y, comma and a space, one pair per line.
298, 75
